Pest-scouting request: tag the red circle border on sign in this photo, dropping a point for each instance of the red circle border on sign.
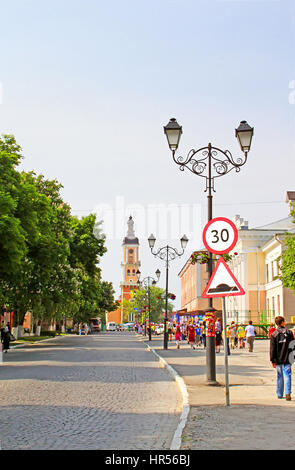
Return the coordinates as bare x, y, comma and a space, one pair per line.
223, 219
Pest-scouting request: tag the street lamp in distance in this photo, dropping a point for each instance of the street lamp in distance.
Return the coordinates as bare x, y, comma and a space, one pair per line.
167, 253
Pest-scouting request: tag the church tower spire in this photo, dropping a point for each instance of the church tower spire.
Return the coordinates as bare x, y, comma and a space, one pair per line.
130, 263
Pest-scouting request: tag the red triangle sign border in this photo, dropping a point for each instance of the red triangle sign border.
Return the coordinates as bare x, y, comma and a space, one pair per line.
205, 294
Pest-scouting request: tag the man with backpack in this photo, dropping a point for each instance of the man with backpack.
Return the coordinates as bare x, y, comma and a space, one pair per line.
281, 356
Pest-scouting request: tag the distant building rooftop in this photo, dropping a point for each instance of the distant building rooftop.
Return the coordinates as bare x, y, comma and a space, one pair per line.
290, 196
282, 224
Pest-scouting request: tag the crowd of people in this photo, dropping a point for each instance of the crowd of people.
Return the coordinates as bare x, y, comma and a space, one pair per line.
194, 332
282, 344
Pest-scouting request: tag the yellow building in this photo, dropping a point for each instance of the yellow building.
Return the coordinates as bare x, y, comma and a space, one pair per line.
255, 265
256, 268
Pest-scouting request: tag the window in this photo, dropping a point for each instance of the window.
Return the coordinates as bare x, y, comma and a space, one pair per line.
272, 270
267, 273
279, 305
273, 305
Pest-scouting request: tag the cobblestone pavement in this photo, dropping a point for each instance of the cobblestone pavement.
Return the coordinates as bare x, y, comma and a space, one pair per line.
255, 420
103, 391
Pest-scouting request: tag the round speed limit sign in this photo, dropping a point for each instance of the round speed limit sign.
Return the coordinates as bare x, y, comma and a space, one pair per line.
220, 235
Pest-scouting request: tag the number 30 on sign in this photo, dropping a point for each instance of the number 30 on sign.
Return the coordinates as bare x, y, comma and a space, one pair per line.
220, 235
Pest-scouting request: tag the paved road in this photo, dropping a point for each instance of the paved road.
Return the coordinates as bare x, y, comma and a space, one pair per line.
103, 391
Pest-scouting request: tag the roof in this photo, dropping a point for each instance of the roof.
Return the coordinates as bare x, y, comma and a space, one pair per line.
290, 196
130, 241
285, 224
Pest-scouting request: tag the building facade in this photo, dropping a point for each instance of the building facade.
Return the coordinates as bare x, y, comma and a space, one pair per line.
255, 264
193, 279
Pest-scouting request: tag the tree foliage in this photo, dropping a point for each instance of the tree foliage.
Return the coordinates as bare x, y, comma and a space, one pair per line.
287, 259
48, 258
141, 302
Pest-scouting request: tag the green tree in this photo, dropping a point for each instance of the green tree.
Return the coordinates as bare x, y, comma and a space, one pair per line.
12, 232
157, 302
49, 258
287, 259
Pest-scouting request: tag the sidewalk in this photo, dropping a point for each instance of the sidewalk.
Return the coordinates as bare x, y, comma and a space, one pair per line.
256, 419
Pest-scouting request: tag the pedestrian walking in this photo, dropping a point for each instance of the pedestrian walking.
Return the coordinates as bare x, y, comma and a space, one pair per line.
191, 334
241, 335
182, 332
227, 339
236, 337
218, 333
203, 329
282, 357
5, 338
198, 336
177, 336
232, 335
250, 335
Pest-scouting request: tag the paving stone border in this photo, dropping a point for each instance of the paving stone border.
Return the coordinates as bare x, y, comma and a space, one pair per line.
177, 438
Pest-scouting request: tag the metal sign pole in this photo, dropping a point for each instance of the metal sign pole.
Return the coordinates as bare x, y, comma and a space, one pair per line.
225, 346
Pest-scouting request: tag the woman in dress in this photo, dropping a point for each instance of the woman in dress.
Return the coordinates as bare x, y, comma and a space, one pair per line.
191, 334
177, 336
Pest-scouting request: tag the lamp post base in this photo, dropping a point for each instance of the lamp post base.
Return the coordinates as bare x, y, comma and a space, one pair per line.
212, 383
165, 340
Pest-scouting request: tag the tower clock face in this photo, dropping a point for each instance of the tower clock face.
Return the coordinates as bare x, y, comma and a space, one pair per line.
130, 251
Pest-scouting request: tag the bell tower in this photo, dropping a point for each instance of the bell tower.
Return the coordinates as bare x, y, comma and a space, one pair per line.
130, 263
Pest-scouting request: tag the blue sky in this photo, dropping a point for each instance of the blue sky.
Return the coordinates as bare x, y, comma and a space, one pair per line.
87, 86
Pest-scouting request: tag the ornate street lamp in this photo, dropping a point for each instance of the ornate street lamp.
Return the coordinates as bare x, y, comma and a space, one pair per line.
152, 241
173, 133
244, 134
210, 163
147, 282
167, 253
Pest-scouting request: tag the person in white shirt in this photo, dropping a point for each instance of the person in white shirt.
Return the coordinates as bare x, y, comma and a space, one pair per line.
250, 335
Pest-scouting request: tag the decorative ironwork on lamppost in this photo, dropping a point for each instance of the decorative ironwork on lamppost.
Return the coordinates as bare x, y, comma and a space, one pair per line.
147, 282
167, 253
210, 163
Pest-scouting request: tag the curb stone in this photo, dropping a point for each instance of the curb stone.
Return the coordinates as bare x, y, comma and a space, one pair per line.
176, 441
36, 342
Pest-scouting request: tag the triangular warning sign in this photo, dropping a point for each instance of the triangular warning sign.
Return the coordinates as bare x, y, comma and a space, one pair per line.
222, 282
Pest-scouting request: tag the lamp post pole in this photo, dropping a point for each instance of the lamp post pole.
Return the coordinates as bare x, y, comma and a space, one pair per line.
218, 163
167, 253
147, 282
